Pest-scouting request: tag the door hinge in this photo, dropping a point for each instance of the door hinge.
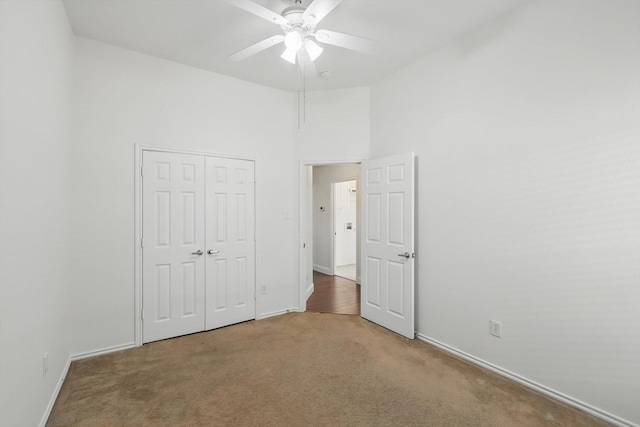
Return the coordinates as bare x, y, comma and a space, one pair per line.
142, 314
304, 246
142, 242
141, 171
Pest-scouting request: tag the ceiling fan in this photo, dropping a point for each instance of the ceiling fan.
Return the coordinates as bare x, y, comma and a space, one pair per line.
299, 27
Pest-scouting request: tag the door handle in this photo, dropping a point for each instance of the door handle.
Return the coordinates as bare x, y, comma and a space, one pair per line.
198, 252
211, 252
406, 255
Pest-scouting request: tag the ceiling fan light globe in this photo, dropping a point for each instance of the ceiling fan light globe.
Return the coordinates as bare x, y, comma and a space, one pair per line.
289, 55
313, 49
293, 41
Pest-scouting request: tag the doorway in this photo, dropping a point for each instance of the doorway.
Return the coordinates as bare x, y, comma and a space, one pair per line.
386, 250
330, 209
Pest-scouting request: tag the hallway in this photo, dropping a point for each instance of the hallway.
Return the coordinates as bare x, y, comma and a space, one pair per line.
334, 294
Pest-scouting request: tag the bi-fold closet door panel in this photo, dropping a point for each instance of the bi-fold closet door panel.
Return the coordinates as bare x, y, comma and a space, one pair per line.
198, 243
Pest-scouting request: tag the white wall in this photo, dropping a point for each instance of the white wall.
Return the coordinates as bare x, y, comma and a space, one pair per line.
35, 194
323, 178
527, 135
122, 98
336, 129
72, 110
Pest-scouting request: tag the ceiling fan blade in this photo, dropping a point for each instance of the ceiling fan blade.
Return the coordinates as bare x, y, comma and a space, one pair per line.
258, 10
255, 48
319, 9
345, 40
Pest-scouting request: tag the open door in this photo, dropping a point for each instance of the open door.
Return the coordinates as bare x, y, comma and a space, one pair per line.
387, 233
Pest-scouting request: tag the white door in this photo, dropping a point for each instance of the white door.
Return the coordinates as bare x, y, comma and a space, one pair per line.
387, 277
344, 229
230, 254
173, 245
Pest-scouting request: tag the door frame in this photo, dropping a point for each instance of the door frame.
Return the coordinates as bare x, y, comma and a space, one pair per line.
137, 238
303, 239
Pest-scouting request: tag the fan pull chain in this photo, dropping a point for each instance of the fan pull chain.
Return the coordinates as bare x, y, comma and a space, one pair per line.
304, 92
298, 99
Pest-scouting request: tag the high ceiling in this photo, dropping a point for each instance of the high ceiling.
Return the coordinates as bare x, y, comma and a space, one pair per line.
203, 33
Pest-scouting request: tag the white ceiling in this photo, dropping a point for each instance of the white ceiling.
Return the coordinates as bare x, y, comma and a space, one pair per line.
203, 33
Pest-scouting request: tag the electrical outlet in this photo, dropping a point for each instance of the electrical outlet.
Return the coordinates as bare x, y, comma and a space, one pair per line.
495, 328
263, 289
45, 364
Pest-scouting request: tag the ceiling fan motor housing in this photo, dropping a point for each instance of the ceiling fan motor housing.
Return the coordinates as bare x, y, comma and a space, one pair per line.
296, 21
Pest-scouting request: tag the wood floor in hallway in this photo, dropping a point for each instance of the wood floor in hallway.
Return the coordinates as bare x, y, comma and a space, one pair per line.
333, 294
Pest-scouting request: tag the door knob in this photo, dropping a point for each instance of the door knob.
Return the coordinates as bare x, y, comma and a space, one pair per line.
198, 252
211, 252
406, 255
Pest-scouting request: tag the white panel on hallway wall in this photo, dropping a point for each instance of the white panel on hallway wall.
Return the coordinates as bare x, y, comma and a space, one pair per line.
345, 223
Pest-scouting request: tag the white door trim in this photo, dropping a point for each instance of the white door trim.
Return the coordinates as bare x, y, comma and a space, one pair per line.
137, 252
302, 287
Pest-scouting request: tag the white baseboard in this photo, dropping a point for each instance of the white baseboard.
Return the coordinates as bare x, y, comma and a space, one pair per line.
310, 290
102, 351
275, 313
54, 396
322, 269
530, 384
65, 371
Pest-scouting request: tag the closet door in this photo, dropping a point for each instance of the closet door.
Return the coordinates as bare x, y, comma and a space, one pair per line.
173, 244
230, 257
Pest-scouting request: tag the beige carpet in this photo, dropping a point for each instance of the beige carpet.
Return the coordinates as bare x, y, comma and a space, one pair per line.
297, 369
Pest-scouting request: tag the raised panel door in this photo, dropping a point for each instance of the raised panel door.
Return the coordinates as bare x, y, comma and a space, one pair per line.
230, 258
173, 275
387, 276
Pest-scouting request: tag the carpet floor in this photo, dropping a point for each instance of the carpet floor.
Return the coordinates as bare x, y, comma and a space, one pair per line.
297, 369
